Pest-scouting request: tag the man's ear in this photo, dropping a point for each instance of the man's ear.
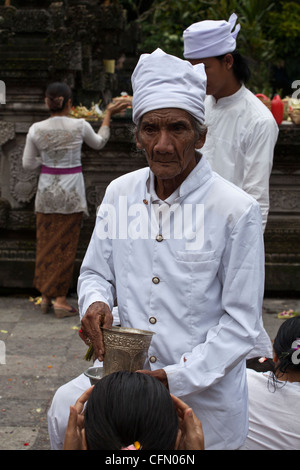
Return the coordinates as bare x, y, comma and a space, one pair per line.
228, 59
201, 140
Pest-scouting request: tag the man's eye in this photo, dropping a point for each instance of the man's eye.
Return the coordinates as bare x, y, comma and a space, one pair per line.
149, 129
179, 128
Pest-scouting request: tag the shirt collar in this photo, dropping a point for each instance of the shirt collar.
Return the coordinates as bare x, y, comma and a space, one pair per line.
198, 176
153, 196
228, 99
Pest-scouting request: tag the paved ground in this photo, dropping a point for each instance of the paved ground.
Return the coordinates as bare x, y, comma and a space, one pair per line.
42, 353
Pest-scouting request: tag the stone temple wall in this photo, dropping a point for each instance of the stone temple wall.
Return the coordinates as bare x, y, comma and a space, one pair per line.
48, 41
42, 41
282, 235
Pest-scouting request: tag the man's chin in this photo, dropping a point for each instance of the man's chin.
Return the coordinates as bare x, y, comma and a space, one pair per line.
165, 171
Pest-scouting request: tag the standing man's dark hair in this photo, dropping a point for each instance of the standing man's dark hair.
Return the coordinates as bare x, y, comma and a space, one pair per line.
240, 66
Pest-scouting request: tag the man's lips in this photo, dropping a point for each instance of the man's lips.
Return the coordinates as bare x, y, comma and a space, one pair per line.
164, 161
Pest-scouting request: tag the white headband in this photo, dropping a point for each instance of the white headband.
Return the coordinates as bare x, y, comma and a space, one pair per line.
161, 81
210, 38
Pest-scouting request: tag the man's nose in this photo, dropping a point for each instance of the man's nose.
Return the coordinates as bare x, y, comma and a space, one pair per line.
163, 143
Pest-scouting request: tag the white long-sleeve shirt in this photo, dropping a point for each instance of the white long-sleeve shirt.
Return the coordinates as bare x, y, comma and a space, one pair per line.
240, 142
200, 291
56, 143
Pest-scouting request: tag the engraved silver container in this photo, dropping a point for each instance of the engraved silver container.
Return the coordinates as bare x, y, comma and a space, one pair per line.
125, 349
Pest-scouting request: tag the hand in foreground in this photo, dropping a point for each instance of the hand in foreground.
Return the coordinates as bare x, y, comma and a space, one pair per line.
159, 374
190, 436
75, 437
98, 314
117, 106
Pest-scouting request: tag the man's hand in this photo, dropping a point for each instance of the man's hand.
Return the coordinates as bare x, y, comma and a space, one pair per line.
190, 436
160, 374
98, 314
75, 437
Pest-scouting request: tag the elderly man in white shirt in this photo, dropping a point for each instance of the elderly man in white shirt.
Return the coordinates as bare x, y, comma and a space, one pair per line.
242, 132
181, 249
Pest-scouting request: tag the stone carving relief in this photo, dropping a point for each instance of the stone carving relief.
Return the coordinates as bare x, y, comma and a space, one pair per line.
23, 183
285, 200
94, 195
4, 212
7, 132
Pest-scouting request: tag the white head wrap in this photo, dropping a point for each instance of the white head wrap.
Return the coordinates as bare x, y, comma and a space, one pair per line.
161, 81
210, 38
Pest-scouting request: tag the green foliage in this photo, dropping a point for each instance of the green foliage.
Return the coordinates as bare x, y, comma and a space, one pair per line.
286, 29
270, 30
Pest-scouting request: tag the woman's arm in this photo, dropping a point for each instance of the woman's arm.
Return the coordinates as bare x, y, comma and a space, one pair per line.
99, 140
30, 160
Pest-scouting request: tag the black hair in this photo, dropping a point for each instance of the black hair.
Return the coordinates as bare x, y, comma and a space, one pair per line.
57, 95
284, 346
240, 66
260, 364
125, 407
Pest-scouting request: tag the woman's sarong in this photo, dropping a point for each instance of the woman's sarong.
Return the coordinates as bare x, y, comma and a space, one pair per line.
56, 245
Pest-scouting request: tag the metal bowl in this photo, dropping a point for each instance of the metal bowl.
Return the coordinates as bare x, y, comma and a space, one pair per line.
94, 374
125, 348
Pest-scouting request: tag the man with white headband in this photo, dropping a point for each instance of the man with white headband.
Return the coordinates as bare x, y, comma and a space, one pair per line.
242, 132
181, 250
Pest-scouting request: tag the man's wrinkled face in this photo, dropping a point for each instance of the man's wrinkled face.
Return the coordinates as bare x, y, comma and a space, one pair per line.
168, 138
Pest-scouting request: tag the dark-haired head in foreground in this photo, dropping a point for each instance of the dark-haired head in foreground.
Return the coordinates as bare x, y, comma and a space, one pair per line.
126, 407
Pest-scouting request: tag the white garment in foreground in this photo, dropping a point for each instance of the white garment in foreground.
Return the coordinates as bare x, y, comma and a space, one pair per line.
202, 297
56, 142
65, 396
240, 142
59, 411
274, 422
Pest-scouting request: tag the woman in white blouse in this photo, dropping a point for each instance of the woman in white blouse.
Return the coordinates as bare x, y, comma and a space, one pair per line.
274, 396
54, 146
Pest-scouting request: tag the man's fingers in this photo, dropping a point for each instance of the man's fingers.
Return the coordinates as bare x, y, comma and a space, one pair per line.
194, 438
71, 430
79, 405
84, 337
93, 318
72, 423
180, 406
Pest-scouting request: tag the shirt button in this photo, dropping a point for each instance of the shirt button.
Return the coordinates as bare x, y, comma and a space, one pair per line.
152, 320
153, 359
159, 238
155, 280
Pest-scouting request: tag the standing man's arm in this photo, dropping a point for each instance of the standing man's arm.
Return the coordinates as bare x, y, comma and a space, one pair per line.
259, 153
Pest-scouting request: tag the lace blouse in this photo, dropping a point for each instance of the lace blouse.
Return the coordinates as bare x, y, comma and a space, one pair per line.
54, 147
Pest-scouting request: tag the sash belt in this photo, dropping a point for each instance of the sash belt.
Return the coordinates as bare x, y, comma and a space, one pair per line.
60, 171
